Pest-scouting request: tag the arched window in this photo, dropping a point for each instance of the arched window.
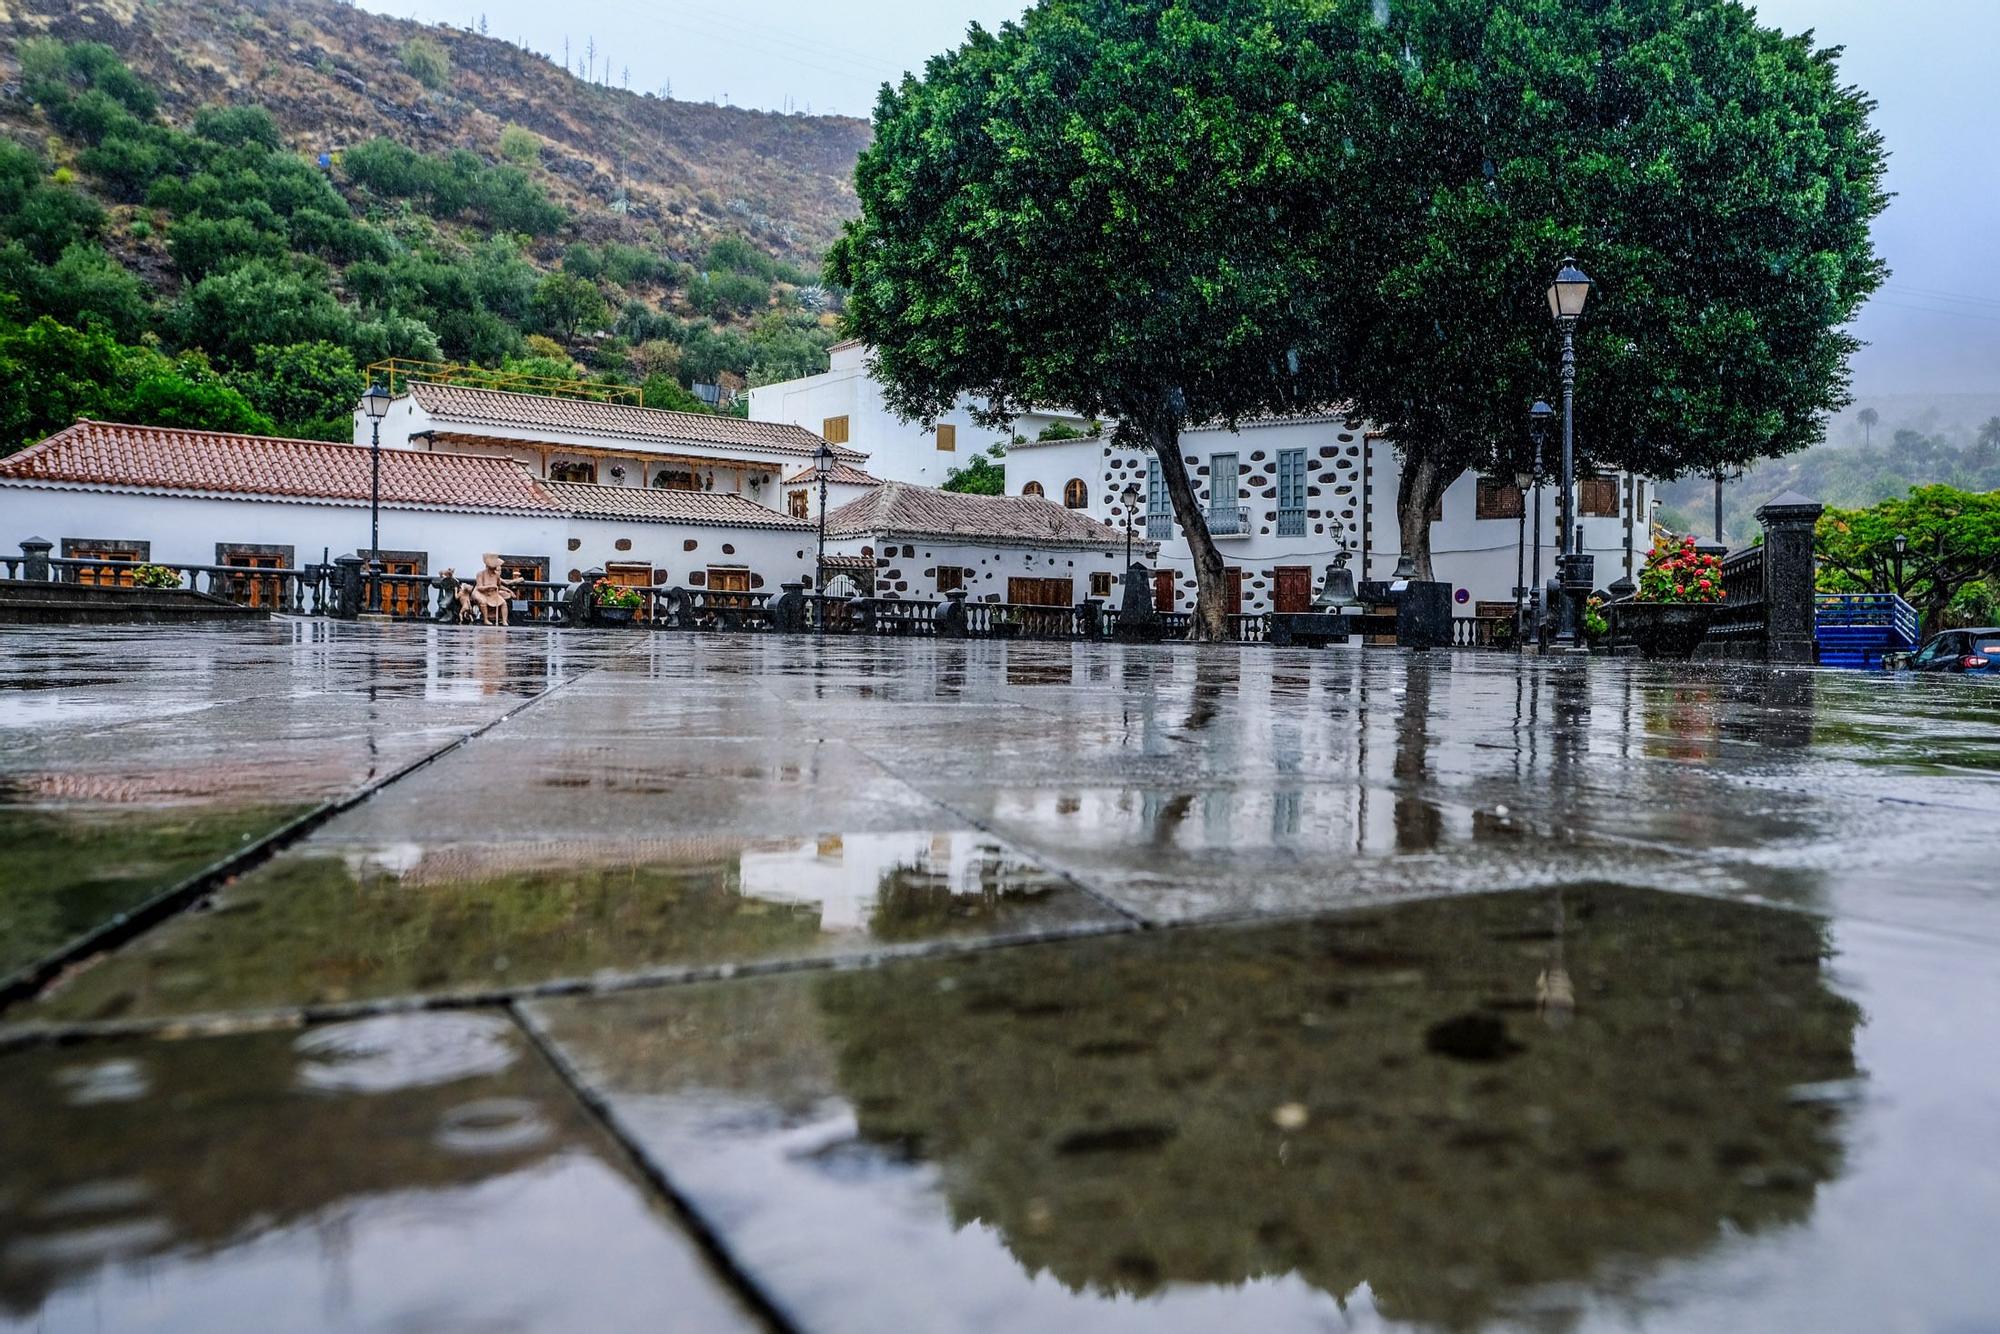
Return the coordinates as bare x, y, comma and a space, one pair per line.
1076, 495
1032, 489
572, 472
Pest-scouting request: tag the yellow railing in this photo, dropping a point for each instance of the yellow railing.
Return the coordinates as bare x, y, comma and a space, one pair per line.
398, 372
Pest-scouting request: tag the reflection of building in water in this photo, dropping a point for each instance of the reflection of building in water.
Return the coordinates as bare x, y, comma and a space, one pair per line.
847, 876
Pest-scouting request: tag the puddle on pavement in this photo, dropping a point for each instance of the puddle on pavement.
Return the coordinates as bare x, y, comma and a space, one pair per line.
325, 925
1454, 1112
409, 1172
69, 871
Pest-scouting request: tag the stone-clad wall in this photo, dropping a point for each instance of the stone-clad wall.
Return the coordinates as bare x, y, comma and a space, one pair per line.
909, 568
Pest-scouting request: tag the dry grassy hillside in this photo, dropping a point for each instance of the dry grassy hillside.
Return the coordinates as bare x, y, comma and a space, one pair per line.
333, 76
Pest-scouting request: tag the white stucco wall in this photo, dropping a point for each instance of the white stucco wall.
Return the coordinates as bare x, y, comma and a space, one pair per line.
898, 451
772, 556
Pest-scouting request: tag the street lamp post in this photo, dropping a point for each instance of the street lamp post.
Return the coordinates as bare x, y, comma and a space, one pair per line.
1538, 426
376, 404
1901, 545
1567, 295
823, 470
1522, 480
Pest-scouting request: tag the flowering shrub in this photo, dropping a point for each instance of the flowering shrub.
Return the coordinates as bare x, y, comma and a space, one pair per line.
156, 576
1676, 572
618, 596
1595, 626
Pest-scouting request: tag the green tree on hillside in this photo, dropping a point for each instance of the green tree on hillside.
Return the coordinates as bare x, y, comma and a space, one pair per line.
565, 303
426, 62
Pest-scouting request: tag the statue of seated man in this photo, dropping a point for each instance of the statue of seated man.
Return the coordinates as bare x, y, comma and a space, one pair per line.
492, 595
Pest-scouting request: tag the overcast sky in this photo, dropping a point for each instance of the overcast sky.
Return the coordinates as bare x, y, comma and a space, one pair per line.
1934, 330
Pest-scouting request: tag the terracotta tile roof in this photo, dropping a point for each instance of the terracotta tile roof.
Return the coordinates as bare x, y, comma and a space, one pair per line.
462, 405
155, 458
656, 505
843, 474
898, 509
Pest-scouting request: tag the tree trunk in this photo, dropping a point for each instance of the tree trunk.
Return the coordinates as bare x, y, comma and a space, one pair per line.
1210, 622
1423, 485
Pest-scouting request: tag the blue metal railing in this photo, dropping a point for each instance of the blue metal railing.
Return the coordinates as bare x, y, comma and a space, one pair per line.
1861, 629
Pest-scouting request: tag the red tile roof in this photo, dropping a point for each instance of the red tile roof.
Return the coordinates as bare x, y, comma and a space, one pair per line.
463, 405
658, 505
156, 458
843, 474
898, 509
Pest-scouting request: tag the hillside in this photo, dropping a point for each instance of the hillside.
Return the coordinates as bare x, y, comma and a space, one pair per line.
333, 77
220, 216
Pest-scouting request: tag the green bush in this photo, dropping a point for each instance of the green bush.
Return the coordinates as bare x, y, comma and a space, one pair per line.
520, 146
426, 62
202, 246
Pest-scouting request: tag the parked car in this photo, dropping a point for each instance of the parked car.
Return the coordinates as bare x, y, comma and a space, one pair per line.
1961, 652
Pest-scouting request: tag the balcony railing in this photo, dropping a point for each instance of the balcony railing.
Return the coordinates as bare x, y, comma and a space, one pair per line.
1228, 521
1159, 527
1291, 523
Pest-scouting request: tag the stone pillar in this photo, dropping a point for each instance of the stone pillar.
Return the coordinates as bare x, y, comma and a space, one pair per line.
1790, 579
788, 613
1088, 622
347, 586
35, 558
949, 620
1138, 621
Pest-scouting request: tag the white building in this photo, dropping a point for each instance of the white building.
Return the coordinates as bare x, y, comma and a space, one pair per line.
1283, 496
102, 491
607, 444
844, 406
924, 543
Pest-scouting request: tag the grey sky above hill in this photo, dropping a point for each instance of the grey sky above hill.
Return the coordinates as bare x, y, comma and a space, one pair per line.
1934, 330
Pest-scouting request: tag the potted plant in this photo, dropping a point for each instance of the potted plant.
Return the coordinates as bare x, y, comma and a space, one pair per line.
156, 576
617, 604
1680, 591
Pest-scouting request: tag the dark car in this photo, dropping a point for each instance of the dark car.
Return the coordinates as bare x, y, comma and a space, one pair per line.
1963, 652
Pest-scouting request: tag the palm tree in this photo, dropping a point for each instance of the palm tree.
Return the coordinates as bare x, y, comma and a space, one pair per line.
1989, 441
1868, 418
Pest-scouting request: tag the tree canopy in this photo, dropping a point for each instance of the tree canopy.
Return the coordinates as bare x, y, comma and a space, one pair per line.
1115, 205
1193, 211
1713, 175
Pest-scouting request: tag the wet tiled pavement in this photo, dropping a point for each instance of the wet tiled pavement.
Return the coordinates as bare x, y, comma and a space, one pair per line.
1339, 990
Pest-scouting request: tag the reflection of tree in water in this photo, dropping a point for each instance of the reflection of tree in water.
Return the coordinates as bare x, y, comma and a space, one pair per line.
920, 899
1382, 1099
1418, 820
117, 1151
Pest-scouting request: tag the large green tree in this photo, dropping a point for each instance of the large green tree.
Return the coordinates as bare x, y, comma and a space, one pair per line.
1179, 212
1713, 175
1120, 206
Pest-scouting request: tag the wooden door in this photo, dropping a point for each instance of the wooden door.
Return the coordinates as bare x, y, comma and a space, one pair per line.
403, 596
1163, 591
728, 587
632, 574
1294, 588
1232, 598
1040, 592
255, 590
